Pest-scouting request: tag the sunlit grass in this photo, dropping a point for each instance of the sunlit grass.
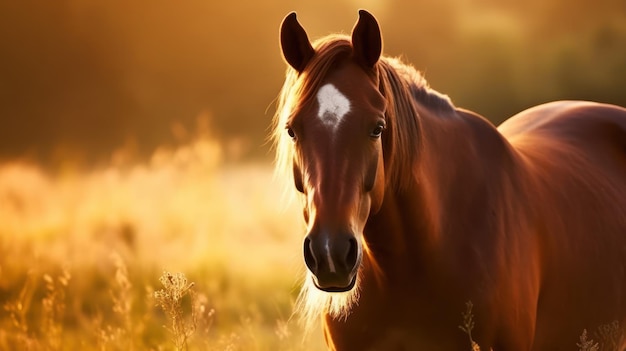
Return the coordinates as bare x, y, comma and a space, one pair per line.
81, 254
86, 256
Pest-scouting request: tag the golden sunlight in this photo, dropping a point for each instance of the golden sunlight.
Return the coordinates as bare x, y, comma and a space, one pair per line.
136, 176
184, 210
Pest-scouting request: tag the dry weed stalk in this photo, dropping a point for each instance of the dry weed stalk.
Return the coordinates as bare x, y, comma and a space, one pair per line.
118, 336
18, 309
468, 324
170, 300
587, 344
46, 332
53, 305
204, 318
19, 334
610, 336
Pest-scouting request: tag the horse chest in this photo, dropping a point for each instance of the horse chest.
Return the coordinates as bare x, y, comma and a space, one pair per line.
390, 337
395, 324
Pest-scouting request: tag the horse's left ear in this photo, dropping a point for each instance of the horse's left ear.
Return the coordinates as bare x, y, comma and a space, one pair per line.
367, 42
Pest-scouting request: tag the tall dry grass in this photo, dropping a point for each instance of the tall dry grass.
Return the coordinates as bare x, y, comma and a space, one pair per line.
86, 256
81, 253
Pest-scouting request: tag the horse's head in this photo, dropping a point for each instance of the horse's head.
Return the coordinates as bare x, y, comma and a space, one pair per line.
337, 148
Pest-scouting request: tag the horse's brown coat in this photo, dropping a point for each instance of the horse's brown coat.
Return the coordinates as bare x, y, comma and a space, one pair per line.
526, 221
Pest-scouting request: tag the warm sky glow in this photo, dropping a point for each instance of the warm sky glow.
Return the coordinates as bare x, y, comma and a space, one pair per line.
82, 79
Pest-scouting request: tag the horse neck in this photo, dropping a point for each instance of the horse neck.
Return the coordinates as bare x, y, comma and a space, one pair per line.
460, 152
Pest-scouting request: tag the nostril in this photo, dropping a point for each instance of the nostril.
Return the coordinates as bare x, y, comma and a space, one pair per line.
309, 257
353, 253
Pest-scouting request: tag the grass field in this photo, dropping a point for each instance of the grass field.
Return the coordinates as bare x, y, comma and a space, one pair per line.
182, 251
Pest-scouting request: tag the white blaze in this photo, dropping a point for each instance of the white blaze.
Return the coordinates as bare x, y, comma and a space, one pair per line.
333, 105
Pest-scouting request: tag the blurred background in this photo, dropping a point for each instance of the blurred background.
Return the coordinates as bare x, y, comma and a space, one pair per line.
80, 79
133, 140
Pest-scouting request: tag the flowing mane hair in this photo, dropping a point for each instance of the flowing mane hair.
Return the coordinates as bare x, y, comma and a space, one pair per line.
402, 87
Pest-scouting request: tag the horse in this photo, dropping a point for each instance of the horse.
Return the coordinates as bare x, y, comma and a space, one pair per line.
414, 207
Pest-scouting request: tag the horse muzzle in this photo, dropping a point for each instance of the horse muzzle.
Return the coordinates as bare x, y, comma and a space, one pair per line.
334, 260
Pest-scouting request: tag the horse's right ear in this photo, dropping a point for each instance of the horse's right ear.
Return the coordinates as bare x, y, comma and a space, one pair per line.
366, 39
294, 43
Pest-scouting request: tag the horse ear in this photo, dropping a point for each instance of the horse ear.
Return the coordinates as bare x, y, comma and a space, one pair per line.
294, 43
367, 42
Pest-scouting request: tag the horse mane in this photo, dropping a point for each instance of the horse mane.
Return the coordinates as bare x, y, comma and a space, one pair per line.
403, 88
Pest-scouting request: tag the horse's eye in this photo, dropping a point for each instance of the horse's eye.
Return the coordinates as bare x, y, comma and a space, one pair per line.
291, 133
378, 131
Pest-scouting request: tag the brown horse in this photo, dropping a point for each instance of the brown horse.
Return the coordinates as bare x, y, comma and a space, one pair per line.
414, 207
